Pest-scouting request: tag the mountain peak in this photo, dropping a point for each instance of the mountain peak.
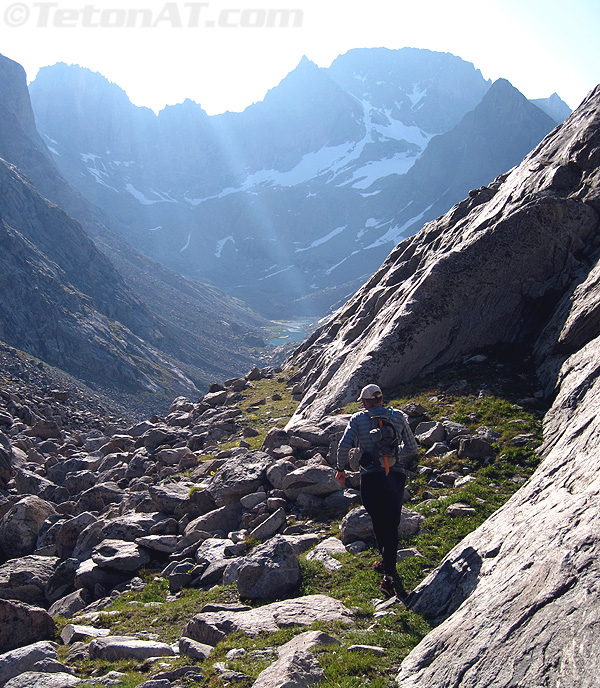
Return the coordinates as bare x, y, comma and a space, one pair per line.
305, 63
15, 98
554, 106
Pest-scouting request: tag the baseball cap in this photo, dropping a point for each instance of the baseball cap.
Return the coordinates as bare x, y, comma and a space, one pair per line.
370, 392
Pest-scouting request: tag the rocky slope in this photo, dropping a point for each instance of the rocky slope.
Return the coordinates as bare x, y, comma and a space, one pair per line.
98, 308
89, 499
291, 204
520, 602
59, 293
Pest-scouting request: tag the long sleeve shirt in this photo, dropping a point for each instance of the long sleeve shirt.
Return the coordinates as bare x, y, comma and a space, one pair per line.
358, 429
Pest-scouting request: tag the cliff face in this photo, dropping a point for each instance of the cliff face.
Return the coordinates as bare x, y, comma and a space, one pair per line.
518, 598
498, 268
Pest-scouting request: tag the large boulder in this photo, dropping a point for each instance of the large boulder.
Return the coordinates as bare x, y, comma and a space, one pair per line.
70, 604
212, 627
270, 526
25, 579
114, 648
97, 498
28, 483
120, 555
313, 479
20, 527
128, 527
22, 624
241, 474
69, 532
168, 498
297, 666
89, 575
212, 549
271, 570
43, 679
225, 519
17, 661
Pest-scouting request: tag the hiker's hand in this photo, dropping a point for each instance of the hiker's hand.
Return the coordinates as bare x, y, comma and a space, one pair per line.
340, 476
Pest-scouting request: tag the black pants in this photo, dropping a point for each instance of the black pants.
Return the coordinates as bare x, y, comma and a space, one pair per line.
382, 497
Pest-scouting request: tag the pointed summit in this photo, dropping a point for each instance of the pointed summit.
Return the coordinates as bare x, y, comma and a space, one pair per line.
554, 107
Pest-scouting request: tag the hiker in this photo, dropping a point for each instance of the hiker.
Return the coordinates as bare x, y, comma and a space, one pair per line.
385, 440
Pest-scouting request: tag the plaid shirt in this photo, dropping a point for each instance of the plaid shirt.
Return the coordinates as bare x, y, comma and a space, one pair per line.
359, 427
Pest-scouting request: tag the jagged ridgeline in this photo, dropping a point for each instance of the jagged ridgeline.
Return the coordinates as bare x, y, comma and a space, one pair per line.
292, 204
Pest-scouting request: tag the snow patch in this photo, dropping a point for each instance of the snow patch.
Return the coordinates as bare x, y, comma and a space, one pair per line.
278, 272
97, 174
418, 93
366, 176
395, 233
187, 243
144, 200
322, 240
221, 244
337, 265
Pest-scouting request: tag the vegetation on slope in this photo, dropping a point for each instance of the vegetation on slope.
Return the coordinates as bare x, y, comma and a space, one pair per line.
498, 392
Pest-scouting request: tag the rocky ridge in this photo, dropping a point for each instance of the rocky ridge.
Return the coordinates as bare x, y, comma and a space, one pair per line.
517, 262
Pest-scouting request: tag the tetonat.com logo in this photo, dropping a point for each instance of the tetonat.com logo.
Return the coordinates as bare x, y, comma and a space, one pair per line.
191, 15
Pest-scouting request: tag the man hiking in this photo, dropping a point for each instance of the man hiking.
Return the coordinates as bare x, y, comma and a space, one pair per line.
384, 438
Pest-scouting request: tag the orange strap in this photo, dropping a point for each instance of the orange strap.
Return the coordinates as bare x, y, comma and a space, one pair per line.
386, 463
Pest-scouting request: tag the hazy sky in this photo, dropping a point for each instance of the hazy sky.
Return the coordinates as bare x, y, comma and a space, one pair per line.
221, 54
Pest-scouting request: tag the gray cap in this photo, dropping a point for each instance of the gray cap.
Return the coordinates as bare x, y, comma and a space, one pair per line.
370, 392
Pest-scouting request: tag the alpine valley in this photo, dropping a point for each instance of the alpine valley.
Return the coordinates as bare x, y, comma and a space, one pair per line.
293, 203
126, 241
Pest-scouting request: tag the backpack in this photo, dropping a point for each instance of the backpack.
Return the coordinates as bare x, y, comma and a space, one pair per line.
384, 436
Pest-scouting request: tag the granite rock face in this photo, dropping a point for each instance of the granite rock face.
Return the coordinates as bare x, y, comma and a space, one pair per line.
492, 271
515, 603
521, 591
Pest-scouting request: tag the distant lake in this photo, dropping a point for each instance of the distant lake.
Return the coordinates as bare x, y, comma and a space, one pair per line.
286, 331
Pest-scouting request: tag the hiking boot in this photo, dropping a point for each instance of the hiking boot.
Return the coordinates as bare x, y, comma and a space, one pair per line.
401, 593
387, 587
378, 567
